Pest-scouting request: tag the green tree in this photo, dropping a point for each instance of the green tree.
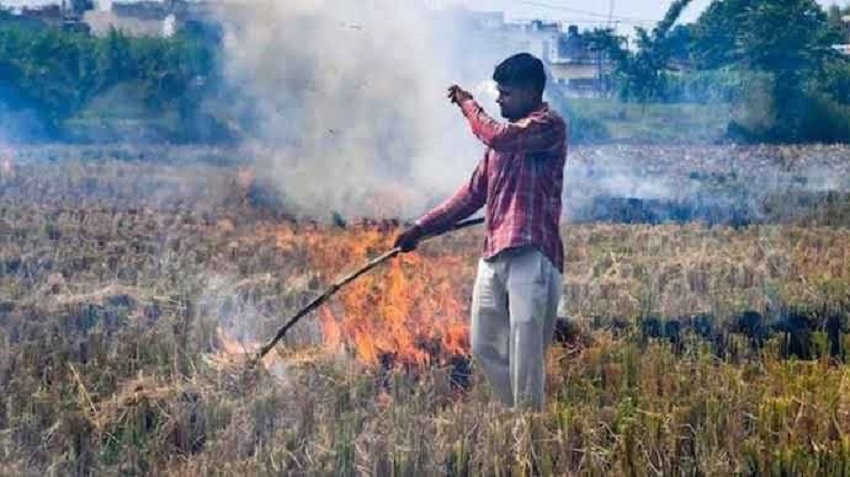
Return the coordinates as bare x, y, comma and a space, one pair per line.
56, 70
55, 74
605, 45
716, 33
643, 74
114, 59
790, 40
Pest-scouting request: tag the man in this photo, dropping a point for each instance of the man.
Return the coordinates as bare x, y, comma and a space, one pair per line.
519, 180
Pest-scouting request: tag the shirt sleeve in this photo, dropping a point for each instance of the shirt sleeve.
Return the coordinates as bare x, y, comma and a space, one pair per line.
536, 133
469, 198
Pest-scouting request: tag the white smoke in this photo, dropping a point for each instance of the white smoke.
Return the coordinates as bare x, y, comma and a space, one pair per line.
352, 96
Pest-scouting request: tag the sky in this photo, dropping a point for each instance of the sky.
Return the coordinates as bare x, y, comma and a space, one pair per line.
586, 13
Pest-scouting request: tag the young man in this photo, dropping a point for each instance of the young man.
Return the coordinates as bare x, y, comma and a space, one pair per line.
519, 180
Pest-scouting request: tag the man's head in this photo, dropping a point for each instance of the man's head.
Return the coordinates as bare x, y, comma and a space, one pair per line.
521, 81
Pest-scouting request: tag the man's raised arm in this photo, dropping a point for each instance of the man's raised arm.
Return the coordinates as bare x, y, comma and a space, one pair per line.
536, 133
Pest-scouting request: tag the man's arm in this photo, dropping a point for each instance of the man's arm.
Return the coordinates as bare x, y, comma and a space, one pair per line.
469, 198
533, 134
466, 200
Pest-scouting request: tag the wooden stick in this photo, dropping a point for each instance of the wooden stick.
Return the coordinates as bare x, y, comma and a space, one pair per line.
340, 283
83, 389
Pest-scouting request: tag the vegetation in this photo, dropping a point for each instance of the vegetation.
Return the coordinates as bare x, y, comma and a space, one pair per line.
51, 78
116, 275
770, 64
128, 276
607, 120
772, 61
642, 73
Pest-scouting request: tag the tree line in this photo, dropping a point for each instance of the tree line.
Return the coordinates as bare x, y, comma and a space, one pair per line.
776, 59
50, 77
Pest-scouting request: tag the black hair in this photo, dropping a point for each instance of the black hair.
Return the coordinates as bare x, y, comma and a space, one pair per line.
522, 70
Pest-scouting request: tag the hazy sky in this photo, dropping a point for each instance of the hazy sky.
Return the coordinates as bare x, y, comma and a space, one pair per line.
587, 13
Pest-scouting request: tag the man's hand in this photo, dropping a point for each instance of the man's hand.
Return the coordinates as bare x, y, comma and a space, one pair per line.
409, 239
458, 95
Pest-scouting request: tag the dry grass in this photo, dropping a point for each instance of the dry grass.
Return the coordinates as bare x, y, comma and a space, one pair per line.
106, 313
631, 271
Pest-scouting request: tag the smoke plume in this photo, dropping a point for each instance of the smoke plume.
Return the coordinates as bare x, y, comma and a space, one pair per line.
350, 101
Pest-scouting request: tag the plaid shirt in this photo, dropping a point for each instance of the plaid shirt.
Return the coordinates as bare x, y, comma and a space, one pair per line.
520, 179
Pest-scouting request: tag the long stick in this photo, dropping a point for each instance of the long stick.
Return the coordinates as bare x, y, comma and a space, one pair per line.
340, 283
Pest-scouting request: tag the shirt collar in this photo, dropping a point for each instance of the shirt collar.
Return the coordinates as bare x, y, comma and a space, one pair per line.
542, 110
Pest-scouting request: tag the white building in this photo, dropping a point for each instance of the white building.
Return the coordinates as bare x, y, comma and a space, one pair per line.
102, 22
143, 18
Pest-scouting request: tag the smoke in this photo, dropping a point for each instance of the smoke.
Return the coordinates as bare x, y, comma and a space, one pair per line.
349, 100
714, 184
17, 122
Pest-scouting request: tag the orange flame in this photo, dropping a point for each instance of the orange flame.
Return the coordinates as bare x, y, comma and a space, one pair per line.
413, 309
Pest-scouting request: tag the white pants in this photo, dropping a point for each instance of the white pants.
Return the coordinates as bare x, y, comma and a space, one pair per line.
514, 305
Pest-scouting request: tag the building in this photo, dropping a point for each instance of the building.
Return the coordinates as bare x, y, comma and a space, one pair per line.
570, 62
489, 21
149, 18
537, 37
15, 17
145, 18
51, 15
67, 15
144, 10
102, 22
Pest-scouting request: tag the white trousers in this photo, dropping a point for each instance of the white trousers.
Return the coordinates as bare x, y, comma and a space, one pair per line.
514, 305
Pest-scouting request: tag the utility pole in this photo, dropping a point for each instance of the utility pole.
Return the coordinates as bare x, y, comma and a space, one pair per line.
601, 86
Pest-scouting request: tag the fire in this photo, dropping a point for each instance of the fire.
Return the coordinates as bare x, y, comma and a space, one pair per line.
412, 311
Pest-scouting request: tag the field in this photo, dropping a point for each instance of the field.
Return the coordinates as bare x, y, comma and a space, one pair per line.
688, 347
650, 123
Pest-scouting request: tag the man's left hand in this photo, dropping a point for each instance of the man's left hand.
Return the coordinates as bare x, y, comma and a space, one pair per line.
458, 95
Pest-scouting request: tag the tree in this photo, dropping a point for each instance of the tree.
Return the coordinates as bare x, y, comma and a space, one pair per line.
604, 45
716, 33
643, 73
114, 61
55, 74
790, 40
787, 37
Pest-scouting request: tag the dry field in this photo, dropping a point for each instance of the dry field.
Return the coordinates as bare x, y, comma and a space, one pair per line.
124, 286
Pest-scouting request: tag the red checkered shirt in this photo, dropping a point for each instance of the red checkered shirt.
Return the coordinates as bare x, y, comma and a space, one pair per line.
520, 180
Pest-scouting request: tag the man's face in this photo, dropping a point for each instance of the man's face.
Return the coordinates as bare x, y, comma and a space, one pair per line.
516, 103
